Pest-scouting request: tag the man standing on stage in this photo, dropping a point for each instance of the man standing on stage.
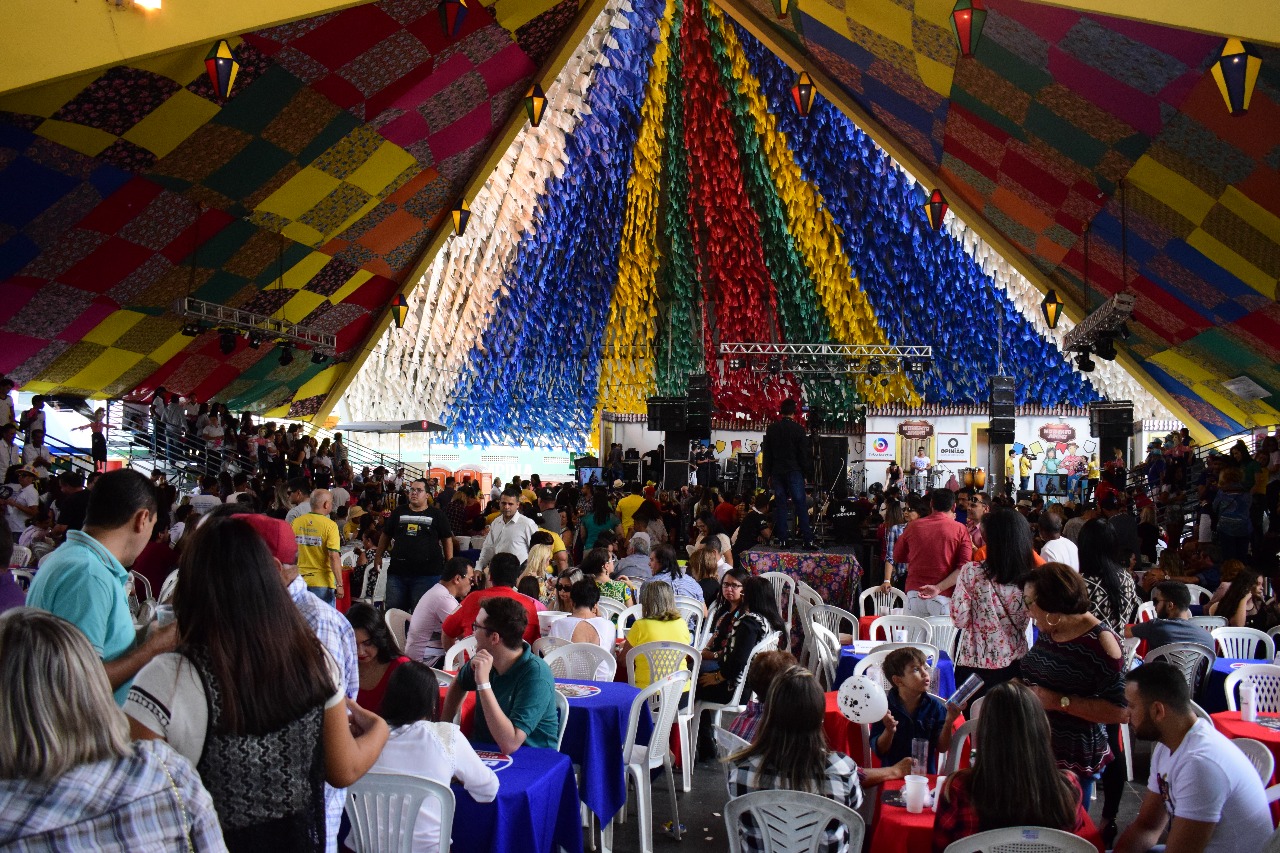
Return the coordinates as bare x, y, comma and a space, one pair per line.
920, 471
786, 457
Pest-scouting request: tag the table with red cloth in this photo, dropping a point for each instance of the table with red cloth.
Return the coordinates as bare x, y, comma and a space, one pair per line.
834, 573
844, 735
1230, 725
896, 830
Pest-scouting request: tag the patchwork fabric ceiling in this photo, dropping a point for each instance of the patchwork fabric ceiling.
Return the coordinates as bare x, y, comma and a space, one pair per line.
308, 195
673, 200
1039, 129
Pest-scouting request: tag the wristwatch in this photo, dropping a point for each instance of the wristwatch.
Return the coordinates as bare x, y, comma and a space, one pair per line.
1065, 702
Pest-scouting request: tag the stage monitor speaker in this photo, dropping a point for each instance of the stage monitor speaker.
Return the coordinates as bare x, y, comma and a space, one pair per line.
666, 413
675, 475
834, 452
1111, 421
1002, 390
1000, 430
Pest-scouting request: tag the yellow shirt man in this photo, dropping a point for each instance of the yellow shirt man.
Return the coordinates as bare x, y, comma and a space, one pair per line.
318, 538
627, 510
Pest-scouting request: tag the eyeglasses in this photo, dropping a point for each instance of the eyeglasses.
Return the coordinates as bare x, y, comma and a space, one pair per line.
731, 586
476, 626
564, 588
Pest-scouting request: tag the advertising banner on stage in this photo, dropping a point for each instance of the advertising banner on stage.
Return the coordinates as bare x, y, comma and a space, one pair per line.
879, 447
953, 448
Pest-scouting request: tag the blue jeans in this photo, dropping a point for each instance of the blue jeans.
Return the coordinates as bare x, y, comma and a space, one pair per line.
790, 486
324, 593
403, 591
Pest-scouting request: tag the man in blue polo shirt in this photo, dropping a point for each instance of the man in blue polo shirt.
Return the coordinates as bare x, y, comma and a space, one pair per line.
83, 581
515, 691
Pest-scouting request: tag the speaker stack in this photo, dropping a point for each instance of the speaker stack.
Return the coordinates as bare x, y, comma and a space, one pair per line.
1111, 420
698, 411
1001, 410
667, 414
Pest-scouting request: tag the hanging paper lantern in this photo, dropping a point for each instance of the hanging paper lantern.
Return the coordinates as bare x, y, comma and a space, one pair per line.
535, 104
399, 310
967, 20
1235, 68
1052, 308
452, 14
935, 209
802, 94
223, 68
461, 214
782, 8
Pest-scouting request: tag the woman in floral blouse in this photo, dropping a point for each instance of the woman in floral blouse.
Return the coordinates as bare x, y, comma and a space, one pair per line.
987, 604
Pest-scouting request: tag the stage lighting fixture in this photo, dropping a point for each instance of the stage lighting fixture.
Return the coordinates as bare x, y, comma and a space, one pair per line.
286, 355
1105, 348
318, 357
775, 365
736, 363
227, 341
884, 382
873, 367
255, 340
1083, 363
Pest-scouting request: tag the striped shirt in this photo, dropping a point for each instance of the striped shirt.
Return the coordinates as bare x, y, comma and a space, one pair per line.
842, 782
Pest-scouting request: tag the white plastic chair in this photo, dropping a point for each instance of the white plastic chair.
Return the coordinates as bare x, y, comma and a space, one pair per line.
1199, 595
581, 662
1244, 643
874, 661
383, 808
1201, 713
445, 679
807, 598
1259, 756
708, 626
1209, 622
661, 699
727, 743
453, 659
167, 588
139, 580
837, 620
825, 649
691, 610
1146, 611
790, 821
893, 599
1021, 839
23, 578
963, 738
398, 624
562, 713
918, 630
784, 595
665, 657
735, 704
630, 616
944, 634
610, 609
1266, 686
543, 645
1194, 660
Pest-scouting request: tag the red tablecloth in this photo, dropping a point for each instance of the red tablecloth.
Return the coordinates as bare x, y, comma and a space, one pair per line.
344, 601
845, 736
896, 830
864, 626
1230, 724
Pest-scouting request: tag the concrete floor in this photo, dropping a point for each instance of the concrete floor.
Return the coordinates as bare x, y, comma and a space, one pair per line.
702, 810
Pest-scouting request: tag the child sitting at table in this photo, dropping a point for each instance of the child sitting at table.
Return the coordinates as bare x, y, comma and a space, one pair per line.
765, 667
913, 712
418, 746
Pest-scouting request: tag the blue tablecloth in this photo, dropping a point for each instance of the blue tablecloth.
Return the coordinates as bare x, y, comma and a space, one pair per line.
536, 810
946, 672
1214, 696
597, 728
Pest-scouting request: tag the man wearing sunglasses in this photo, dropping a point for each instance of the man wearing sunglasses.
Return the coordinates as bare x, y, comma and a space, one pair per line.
515, 690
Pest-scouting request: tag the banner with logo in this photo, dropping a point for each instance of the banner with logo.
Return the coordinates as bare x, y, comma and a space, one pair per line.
953, 447
880, 447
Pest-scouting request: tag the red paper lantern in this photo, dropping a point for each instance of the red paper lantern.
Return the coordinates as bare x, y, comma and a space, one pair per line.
935, 209
967, 20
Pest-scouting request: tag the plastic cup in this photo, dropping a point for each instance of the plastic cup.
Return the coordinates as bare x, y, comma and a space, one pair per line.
915, 792
884, 610
919, 756
899, 635
164, 615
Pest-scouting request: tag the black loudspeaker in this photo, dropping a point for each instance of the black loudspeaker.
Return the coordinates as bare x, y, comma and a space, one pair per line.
1113, 420
834, 451
698, 415
1001, 400
744, 479
675, 475
666, 413
1000, 430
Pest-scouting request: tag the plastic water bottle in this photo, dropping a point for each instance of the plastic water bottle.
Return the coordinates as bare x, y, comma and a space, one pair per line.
1248, 709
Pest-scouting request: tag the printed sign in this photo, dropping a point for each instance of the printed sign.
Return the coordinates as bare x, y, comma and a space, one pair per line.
576, 691
495, 761
915, 429
953, 447
1055, 433
880, 446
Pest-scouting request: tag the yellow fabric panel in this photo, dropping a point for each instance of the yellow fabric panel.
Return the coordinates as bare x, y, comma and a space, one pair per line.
828, 15
299, 194
1253, 213
386, 164
172, 122
514, 13
936, 75
48, 98
277, 412
112, 327
105, 369
302, 233
77, 137
297, 276
37, 387
302, 304
1202, 382
1173, 189
626, 366
352, 285
169, 348
814, 233
885, 17
1216, 251
320, 383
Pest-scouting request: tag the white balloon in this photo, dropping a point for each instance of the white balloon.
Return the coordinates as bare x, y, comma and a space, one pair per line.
862, 700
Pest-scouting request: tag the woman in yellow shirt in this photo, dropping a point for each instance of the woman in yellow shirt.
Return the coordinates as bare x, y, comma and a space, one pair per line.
659, 621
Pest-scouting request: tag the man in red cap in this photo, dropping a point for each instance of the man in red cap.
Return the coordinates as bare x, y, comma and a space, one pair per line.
331, 627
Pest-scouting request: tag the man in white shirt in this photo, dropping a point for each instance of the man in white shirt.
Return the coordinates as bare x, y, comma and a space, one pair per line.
10, 453
1201, 786
509, 532
208, 498
423, 640
8, 414
21, 506
239, 486
341, 497
1057, 548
